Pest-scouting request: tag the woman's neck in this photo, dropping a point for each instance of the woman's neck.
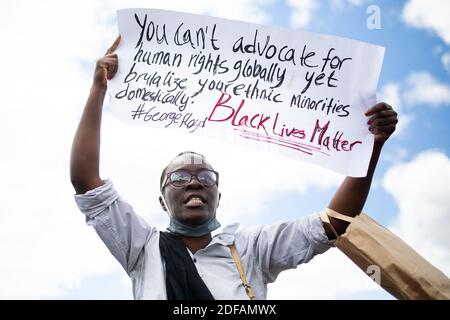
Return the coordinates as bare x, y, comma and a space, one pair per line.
196, 243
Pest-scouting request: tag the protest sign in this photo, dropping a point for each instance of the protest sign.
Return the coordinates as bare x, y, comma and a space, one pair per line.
295, 93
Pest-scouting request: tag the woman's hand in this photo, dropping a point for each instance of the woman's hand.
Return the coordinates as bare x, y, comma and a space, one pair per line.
106, 66
382, 121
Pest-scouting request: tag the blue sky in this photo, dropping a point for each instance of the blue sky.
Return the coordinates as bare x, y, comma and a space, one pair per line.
48, 252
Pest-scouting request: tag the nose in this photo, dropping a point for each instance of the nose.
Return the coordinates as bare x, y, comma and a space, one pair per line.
194, 183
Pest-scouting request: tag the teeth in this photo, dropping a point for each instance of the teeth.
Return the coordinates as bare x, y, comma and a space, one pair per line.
195, 201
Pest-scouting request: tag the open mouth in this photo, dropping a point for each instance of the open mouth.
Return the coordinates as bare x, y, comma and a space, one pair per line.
194, 201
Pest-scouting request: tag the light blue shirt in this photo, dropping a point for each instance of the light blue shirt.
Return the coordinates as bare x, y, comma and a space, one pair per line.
265, 251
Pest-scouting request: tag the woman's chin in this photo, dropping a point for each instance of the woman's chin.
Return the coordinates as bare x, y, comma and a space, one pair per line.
195, 217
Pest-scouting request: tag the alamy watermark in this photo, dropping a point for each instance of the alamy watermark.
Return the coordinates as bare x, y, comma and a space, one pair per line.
374, 19
374, 273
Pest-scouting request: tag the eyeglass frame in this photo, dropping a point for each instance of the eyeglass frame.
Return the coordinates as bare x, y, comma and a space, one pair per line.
167, 180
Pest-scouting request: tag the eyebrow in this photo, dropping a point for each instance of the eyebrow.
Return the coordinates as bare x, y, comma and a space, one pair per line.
190, 170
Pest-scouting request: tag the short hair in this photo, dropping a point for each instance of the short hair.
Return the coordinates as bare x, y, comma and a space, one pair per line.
191, 153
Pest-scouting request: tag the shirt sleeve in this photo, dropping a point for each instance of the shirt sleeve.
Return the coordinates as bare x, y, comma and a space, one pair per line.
123, 232
283, 246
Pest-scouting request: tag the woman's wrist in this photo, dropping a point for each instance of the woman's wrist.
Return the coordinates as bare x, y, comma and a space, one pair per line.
99, 86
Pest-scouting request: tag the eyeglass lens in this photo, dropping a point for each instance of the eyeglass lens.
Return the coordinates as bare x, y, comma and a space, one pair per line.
205, 177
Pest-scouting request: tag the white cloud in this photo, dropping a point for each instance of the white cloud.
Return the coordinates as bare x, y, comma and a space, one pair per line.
429, 14
445, 59
393, 157
420, 88
339, 4
328, 276
45, 247
423, 89
391, 94
301, 12
126, 283
420, 188
245, 10
357, 2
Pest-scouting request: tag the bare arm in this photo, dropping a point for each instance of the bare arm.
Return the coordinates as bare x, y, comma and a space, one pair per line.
352, 194
85, 155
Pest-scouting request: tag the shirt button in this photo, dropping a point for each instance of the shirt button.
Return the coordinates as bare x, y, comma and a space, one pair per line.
195, 260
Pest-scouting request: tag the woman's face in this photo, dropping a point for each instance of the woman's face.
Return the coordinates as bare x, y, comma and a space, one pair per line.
193, 203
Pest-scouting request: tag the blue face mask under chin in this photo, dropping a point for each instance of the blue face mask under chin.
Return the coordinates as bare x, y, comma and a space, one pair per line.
180, 228
184, 229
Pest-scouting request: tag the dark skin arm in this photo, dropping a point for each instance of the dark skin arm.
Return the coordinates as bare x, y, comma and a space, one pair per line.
352, 194
85, 155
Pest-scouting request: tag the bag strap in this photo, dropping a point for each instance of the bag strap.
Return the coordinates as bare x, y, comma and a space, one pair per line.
327, 213
339, 216
325, 219
237, 260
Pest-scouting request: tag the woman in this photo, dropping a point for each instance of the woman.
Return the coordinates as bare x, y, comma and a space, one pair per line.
187, 262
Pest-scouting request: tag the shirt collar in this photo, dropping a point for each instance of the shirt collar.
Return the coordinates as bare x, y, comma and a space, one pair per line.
226, 237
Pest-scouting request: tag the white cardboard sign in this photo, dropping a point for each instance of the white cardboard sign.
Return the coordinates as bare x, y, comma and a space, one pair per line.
296, 93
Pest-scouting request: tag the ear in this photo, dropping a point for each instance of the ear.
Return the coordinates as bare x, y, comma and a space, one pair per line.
218, 200
161, 202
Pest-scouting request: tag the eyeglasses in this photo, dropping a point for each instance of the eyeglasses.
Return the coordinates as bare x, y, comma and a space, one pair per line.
181, 178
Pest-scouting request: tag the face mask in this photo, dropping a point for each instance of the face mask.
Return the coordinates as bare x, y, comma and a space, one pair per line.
183, 229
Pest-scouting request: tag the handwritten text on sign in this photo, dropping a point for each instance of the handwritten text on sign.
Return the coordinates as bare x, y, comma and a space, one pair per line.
296, 93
